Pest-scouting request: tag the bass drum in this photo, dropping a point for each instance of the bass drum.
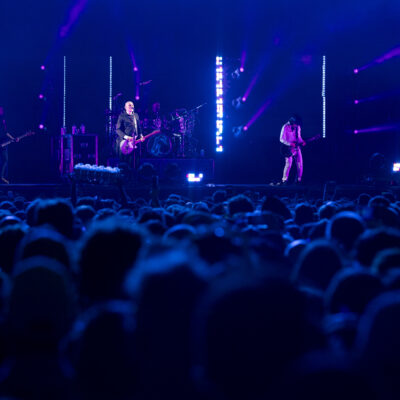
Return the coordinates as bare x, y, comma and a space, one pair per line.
159, 145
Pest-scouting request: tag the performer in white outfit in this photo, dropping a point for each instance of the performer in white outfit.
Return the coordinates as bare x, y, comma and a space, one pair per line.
291, 137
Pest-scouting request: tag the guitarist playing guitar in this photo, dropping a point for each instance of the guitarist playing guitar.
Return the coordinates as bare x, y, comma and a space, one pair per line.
291, 137
4, 136
127, 129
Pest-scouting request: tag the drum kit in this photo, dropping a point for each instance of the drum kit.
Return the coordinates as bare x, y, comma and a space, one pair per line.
176, 133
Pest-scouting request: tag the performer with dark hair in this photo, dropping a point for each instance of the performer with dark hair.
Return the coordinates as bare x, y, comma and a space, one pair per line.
291, 138
127, 128
4, 136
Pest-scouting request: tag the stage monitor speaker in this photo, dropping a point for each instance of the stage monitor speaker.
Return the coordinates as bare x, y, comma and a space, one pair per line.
34, 160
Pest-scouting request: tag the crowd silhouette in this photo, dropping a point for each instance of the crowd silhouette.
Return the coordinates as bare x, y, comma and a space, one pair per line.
236, 296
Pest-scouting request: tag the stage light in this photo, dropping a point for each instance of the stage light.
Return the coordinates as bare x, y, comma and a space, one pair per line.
42, 67
192, 177
258, 113
237, 103
323, 95
245, 128
136, 69
110, 91
379, 128
219, 88
396, 167
355, 131
41, 96
237, 130
241, 69
235, 74
356, 101
356, 70
64, 92
137, 97
41, 127
244, 99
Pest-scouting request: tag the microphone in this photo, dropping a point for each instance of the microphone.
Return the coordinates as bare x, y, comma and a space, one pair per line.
145, 82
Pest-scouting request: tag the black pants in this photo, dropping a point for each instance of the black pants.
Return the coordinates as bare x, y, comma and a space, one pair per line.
4, 162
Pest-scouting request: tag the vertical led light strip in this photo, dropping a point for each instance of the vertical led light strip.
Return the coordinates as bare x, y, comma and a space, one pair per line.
323, 96
64, 92
110, 97
219, 87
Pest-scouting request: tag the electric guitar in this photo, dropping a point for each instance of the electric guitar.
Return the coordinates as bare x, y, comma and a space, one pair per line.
18, 138
286, 150
127, 146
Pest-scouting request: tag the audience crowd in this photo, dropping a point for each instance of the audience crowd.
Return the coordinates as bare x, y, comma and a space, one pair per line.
237, 296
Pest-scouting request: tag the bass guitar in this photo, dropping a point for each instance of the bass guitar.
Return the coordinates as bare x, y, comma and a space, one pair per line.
127, 146
17, 139
286, 150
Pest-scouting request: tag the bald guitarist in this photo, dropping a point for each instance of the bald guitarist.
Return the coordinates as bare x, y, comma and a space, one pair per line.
128, 127
4, 136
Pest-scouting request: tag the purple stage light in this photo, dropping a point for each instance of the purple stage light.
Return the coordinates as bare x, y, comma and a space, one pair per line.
245, 128
379, 128
137, 97
41, 96
356, 101
355, 131
356, 70
258, 114
42, 67
385, 57
41, 126
396, 167
74, 14
243, 57
250, 87
136, 69
244, 99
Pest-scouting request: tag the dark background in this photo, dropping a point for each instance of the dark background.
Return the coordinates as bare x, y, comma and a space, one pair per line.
175, 43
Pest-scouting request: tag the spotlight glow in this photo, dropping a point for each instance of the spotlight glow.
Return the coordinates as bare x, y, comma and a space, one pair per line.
42, 67
379, 128
41, 126
241, 69
356, 101
245, 128
136, 69
192, 177
219, 88
137, 97
356, 71
396, 167
41, 96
